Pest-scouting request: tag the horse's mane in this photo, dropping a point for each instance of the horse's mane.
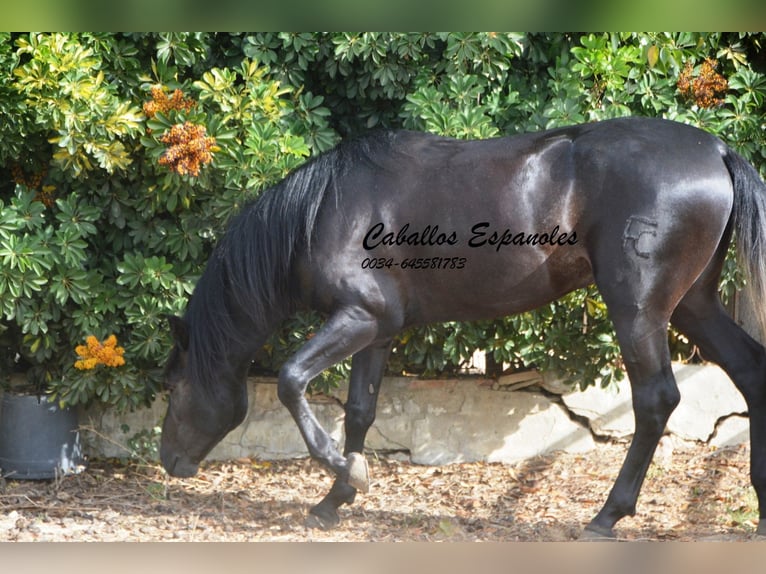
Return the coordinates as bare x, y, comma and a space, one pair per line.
246, 287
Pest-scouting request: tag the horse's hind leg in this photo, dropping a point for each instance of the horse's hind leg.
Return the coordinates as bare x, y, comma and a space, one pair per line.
367, 367
644, 345
701, 317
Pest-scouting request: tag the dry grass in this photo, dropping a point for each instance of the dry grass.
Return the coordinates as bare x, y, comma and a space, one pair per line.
703, 494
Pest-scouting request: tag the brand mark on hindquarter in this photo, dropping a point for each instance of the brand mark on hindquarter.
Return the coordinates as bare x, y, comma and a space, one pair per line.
637, 234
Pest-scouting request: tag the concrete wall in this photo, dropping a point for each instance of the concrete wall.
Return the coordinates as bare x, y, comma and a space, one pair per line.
455, 420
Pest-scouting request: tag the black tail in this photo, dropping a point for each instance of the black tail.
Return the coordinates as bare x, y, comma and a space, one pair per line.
750, 228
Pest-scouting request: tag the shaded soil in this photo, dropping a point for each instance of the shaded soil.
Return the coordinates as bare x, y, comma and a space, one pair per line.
697, 493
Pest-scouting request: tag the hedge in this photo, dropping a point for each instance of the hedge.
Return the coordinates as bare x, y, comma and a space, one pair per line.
123, 155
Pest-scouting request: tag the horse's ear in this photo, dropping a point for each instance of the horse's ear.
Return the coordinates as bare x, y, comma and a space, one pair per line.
180, 331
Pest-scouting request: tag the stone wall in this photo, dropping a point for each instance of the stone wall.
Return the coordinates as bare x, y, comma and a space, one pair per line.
459, 420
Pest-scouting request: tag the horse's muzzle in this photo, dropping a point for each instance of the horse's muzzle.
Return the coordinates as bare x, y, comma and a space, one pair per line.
178, 467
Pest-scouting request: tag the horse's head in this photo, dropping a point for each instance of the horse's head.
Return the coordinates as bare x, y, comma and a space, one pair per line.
197, 417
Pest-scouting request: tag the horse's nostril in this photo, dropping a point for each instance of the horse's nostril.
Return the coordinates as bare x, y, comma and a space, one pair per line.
169, 464
179, 468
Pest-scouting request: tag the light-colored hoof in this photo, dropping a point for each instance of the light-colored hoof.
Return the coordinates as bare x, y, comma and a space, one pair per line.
358, 472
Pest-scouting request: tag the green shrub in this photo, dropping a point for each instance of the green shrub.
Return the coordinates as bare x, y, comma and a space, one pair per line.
109, 239
123, 155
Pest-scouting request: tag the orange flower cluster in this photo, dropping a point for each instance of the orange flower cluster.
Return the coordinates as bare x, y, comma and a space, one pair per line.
30, 181
707, 89
46, 196
96, 353
44, 192
189, 147
160, 102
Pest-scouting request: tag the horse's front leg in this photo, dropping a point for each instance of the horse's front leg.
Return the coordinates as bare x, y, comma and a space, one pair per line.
367, 367
345, 332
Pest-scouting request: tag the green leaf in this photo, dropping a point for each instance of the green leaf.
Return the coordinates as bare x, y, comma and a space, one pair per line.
652, 55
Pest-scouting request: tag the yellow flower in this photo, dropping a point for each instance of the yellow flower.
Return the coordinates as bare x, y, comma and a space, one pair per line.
92, 343
86, 364
95, 353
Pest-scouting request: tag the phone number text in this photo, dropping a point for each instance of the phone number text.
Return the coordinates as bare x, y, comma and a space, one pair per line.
414, 263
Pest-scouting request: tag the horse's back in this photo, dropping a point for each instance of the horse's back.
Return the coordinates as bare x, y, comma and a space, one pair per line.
621, 145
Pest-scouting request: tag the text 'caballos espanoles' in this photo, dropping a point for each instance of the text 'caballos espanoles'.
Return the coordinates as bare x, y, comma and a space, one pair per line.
481, 234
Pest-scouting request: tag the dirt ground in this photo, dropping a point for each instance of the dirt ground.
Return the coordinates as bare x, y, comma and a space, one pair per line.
697, 493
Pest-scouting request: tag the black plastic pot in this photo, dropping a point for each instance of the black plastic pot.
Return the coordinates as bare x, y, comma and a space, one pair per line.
38, 440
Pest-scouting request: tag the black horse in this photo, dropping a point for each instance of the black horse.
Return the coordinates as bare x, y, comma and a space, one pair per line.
399, 228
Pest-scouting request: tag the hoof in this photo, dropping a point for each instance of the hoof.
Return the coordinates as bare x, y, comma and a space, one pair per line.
319, 520
597, 534
358, 472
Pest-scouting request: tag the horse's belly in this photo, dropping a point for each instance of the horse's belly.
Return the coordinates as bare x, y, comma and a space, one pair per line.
495, 288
